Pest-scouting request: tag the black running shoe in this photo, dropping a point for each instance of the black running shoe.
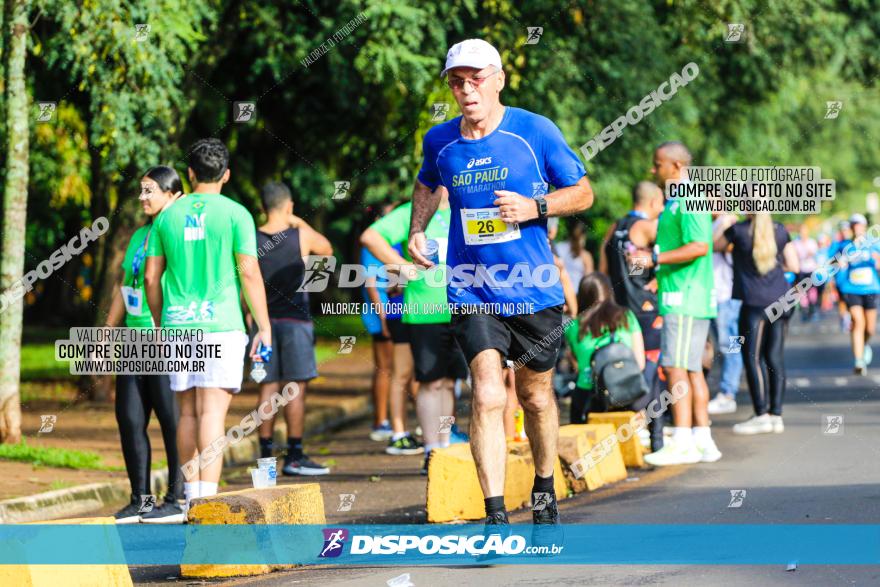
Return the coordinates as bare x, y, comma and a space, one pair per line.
405, 445
129, 514
544, 509
303, 466
496, 523
547, 530
170, 512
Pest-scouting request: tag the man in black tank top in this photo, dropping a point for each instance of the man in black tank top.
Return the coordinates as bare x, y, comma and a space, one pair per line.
283, 242
634, 286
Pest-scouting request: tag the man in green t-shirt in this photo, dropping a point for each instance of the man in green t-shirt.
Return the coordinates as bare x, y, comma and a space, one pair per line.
205, 246
437, 358
686, 285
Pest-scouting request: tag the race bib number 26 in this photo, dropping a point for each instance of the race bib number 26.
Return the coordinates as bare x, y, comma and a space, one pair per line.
484, 226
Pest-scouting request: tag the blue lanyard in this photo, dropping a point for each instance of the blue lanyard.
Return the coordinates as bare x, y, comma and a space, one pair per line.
138, 259
638, 214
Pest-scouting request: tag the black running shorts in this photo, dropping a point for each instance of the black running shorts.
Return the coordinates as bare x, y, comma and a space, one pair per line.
532, 340
435, 353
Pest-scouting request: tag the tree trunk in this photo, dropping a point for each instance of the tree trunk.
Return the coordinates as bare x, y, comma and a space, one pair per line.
14, 222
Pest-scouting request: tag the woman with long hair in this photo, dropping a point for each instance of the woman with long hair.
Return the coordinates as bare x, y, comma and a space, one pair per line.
137, 396
600, 317
762, 253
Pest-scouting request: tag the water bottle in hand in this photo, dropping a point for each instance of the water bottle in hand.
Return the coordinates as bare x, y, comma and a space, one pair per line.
431, 252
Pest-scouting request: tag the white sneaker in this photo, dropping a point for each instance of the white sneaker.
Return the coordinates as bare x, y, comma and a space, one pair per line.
709, 452
778, 426
754, 425
722, 404
674, 453
868, 354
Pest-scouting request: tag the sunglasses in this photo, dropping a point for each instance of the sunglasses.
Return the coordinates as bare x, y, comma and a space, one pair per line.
457, 83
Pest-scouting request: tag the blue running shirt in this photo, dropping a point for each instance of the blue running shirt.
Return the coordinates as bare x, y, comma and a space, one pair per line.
525, 154
860, 277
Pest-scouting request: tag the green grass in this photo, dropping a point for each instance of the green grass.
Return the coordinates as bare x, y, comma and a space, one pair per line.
60, 484
41, 456
38, 363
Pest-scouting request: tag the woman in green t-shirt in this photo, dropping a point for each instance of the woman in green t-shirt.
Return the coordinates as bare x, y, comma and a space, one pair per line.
139, 395
599, 317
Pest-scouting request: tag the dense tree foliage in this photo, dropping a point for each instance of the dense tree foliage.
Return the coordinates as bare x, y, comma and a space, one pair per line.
358, 111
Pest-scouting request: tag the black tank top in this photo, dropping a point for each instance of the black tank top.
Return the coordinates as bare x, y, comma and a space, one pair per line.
629, 290
283, 269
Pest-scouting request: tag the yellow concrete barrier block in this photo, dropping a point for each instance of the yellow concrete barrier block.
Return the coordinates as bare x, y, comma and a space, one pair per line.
283, 504
454, 491
25, 575
573, 445
611, 466
633, 453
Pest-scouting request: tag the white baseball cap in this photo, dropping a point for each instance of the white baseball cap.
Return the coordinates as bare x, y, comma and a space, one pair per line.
472, 53
857, 219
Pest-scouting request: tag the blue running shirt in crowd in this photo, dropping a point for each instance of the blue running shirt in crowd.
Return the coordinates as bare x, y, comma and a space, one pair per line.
860, 276
525, 154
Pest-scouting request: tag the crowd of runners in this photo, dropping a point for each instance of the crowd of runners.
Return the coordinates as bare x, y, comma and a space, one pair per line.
671, 292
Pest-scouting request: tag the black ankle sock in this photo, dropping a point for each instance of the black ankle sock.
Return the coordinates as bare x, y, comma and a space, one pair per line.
294, 447
494, 505
265, 448
543, 484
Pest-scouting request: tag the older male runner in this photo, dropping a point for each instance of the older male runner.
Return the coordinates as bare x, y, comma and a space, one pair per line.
497, 162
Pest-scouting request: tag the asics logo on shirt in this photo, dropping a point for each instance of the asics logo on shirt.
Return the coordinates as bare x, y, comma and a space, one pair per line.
477, 162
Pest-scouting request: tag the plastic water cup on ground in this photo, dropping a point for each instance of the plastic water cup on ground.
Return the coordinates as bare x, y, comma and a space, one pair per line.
260, 478
270, 465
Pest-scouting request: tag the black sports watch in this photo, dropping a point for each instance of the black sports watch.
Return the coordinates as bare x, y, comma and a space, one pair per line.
542, 207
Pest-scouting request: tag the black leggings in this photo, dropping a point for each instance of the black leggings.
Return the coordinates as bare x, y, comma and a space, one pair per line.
136, 397
763, 358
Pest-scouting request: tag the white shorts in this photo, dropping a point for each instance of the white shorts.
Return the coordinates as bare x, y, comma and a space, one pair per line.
224, 372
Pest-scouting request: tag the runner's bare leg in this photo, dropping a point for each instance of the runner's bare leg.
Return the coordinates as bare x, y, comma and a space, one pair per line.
535, 392
488, 445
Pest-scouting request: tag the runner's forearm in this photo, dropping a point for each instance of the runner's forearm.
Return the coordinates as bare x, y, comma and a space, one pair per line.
380, 248
684, 254
566, 201
424, 205
116, 313
254, 291
153, 287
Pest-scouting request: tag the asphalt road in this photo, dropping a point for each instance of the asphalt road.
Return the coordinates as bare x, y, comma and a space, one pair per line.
803, 476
